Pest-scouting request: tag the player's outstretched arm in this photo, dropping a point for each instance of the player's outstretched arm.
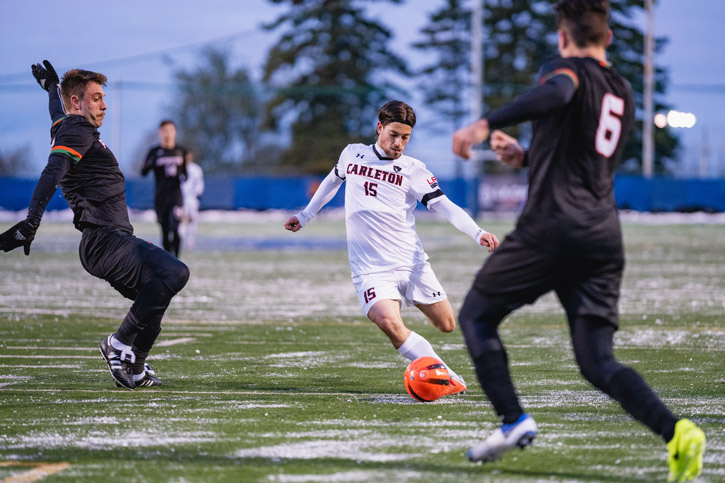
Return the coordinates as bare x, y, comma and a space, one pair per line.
457, 217
507, 149
555, 93
48, 79
325, 192
463, 139
22, 234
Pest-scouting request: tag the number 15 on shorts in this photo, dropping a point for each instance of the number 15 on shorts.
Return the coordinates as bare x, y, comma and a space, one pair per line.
369, 294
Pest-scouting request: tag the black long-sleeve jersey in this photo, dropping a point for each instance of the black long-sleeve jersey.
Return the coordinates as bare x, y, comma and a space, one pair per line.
582, 113
87, 171
169, 168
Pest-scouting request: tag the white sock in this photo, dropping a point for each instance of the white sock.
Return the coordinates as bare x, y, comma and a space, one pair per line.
126, 350
416, 346
138, 377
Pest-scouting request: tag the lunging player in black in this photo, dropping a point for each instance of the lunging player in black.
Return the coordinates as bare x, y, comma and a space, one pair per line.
568, 237
168, 161
93, 185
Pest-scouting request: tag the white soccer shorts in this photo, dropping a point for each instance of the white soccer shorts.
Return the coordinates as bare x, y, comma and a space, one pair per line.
414, 285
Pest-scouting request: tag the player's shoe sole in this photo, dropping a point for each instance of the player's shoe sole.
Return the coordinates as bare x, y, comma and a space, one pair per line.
509, 436
120, 369
685, 451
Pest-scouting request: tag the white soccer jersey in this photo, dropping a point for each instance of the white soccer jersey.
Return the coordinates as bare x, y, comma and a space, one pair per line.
380, 197
193, 186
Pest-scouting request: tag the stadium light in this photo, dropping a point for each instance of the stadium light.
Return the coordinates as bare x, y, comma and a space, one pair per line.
681, 119
661, 120
675, 119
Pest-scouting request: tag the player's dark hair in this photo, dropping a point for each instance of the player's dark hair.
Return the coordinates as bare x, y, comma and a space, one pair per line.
587, 21
75, 81
396, 111
165, 122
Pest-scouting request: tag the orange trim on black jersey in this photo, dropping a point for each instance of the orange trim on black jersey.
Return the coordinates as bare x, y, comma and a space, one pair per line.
563, 71
70, 152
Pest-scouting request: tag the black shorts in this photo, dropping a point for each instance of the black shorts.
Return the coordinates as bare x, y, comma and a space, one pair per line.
517, 273
118, 258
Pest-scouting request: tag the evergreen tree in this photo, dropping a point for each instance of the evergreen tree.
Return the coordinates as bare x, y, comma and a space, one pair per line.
328, 71
446, 78
519, 36
217, 112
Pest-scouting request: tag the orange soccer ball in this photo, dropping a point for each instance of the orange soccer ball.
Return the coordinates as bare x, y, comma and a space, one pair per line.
426, 379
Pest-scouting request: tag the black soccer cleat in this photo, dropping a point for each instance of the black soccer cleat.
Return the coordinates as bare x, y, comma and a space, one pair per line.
119, 364
149, 379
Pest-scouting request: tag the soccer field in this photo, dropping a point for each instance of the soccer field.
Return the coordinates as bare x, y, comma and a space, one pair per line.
272, 374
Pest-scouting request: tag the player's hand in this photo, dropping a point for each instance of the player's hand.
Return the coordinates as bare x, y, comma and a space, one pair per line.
292, 224
489, 240
45, 76
20, 235
475, 133
507, 149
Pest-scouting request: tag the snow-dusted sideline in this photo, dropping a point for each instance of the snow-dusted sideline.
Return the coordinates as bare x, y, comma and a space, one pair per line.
253, 216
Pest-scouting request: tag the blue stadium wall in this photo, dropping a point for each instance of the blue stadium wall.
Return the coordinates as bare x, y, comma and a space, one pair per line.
263, 193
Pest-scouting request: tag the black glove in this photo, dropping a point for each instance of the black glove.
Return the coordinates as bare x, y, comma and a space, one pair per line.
20, 235
45, 76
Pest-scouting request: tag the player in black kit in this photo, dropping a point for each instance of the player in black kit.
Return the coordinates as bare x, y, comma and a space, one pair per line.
568, 237
93, 185
168, 161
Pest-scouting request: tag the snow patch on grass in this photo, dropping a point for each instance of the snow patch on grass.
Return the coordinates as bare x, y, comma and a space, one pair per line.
350, 476
104, 440
332, 448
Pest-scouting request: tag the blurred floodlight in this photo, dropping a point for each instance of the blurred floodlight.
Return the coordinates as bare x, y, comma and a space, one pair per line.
660, 120
681, 119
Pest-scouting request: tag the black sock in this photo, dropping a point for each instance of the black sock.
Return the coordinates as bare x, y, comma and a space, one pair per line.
638, 399
493, 374
130, 326
138, 366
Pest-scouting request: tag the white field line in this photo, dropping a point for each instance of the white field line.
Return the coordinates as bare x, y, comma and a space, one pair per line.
38, 366
170, 342
5, 356
40, 471
163, 343
392, 398
36, 347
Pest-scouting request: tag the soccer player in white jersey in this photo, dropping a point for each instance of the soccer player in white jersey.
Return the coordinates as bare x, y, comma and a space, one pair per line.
387, 260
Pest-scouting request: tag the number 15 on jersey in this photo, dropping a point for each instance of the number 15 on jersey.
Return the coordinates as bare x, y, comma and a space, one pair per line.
371, 189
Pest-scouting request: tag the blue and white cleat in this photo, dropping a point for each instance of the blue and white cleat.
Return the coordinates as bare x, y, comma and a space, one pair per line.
509, 436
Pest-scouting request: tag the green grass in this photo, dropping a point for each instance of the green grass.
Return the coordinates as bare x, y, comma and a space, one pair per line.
272, 373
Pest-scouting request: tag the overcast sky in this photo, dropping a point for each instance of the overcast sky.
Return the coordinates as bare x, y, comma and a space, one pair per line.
139, 42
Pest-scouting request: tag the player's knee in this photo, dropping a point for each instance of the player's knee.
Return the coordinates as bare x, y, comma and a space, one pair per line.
182, 274
598, 371
479, 319
392, 327
176, 276
477, 310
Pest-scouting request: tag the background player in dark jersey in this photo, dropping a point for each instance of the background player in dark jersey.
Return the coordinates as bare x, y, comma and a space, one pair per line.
168, 161
568, 237
93, 185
